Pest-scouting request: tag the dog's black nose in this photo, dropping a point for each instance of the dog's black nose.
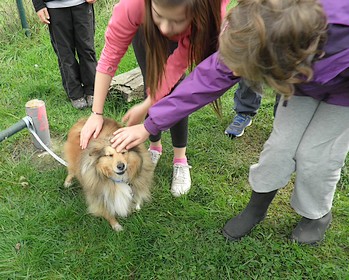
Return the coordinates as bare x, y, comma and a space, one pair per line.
120, 166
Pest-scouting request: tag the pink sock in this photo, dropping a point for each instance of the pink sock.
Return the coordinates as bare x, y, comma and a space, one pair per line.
156, 148
182, 161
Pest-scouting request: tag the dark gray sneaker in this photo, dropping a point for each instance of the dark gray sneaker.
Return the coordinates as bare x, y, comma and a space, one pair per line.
311, 231
79, 103
238, 125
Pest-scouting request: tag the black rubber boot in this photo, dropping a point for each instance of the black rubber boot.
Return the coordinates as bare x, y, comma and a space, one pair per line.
311, 231
253, 214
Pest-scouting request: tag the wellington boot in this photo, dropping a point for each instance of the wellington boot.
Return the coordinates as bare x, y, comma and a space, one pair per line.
253, 214
311, 231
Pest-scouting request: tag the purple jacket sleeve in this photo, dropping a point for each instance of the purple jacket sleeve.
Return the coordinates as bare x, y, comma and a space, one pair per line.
208, 81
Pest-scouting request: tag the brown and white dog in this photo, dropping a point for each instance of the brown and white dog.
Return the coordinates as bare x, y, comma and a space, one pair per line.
113, 183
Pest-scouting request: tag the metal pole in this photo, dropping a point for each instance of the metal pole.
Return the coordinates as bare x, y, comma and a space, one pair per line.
21, 12
12, 130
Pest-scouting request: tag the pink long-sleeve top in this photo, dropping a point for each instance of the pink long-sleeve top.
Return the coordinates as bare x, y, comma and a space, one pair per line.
126, 18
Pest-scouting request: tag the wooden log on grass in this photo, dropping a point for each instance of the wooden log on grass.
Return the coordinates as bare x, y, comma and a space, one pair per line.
129, 85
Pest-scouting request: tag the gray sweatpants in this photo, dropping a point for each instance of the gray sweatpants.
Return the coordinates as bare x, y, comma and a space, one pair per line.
310, 138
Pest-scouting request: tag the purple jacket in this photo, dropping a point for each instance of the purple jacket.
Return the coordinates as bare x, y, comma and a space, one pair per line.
211, 78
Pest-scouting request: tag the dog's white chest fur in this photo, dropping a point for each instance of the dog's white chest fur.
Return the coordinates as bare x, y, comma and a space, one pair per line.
118, 202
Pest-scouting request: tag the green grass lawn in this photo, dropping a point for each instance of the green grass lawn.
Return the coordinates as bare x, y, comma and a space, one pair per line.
45, 232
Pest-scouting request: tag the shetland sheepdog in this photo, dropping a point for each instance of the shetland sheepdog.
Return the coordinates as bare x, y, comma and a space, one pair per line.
113, 183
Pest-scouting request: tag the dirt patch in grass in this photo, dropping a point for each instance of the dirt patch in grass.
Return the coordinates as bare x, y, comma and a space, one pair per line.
25, 150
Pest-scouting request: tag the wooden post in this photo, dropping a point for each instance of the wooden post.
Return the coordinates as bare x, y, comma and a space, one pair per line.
37, 111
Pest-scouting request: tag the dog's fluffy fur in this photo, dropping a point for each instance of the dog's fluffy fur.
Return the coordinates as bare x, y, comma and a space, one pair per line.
113, 183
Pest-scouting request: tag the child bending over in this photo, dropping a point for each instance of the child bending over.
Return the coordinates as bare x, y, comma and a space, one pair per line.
167, 36
301, 49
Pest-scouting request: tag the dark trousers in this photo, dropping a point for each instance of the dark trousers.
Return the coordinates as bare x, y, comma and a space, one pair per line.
179, 132
248, 101
72, 36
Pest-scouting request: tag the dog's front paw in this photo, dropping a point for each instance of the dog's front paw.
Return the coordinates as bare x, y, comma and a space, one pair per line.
138, 207
117, 227
68, 181
67, 184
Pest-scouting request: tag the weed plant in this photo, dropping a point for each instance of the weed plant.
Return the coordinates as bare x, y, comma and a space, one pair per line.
45, 232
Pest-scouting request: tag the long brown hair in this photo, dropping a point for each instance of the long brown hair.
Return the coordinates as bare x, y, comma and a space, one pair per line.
205, 26
273, 41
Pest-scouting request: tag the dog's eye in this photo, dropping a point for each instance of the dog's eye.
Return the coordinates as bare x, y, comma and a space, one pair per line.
124, 152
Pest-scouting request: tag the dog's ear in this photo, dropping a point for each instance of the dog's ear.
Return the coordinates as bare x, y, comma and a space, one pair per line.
97, 152
135, 149
135, 163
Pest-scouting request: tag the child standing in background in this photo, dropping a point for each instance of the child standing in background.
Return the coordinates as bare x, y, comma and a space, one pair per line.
168, 37
72, 28
301, 49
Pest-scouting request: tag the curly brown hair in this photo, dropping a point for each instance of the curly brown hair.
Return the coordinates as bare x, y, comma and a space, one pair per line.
273, 41
205, 28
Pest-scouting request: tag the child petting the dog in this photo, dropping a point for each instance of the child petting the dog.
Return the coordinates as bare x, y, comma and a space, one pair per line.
168, 37
301, 49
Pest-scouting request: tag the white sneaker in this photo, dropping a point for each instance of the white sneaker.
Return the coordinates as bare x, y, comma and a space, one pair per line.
155, 156
181, 181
